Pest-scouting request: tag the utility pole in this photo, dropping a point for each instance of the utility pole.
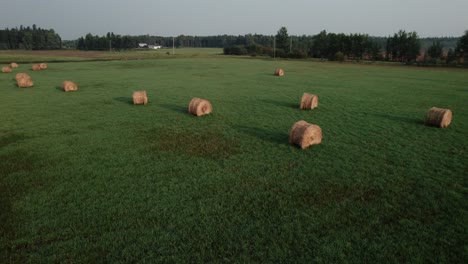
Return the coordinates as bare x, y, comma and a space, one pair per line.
274, 47
290, 46
173, 45
110, 45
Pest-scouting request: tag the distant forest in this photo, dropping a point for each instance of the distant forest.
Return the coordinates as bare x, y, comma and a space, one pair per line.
29, 38
119, 42
402, 46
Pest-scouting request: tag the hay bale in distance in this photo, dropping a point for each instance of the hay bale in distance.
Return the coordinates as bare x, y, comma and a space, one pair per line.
36, 67
25, 83
140, 97
68, 86
438, 117
304, 134
309, 101
279, 72
22, 76
43, 66
23, 80
14, 65
6, 69
200, 107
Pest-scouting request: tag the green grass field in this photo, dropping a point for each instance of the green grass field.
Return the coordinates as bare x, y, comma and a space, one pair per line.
88, 177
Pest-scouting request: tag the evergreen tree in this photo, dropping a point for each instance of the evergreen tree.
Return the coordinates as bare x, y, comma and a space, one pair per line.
282, 39
435, 50
462, 47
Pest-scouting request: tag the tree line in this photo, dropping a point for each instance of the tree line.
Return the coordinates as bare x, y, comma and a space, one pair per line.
402, 46
29, 38
112, 41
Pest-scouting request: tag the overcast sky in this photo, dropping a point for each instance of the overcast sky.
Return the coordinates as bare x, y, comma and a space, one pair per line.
74, 18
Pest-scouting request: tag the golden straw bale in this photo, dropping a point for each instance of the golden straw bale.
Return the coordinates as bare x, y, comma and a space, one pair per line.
22, 76
279, 72
438, 117
140, 97
25, 83
43, 66
304, 134
309, 101
6, 69
68, 86
36, 67
14, 65
199, 107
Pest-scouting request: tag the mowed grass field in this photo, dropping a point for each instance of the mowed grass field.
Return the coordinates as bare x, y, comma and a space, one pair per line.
88, 177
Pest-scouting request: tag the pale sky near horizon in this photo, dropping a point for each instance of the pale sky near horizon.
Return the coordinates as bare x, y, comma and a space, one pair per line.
72, 19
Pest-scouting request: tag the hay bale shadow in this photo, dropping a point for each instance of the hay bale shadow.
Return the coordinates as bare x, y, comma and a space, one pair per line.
58, 88
282, 104
272, 136
176, 108
125, 100
400, 119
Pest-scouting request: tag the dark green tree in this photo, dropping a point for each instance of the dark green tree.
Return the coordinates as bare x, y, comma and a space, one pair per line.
282, 39
319, 47
435, 50
403, 46
451, 57
462, 47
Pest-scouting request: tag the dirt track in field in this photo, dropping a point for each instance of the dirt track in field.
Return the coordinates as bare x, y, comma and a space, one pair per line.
71, 54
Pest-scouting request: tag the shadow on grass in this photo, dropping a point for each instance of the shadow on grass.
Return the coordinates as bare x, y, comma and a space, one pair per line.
399, 119
125, 100
273, 136
176, 108
270, 74
59, 88
280, 103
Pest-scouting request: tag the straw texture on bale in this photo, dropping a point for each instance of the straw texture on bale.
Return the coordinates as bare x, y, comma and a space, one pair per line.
25, 83
309, 101
279, 72
199, 107
22, 76
43, 66
438, 117
68, 86
140, 97
36, 67
6, 69
14, 65
304, 134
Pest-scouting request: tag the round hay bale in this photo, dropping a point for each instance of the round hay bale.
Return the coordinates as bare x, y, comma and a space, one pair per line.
438, 117
309, 101
36, 67
199, 107
14, 65
140, 97
43, 66
25, 83
68, 86
304, 134
6, 69
279, 72
22, 76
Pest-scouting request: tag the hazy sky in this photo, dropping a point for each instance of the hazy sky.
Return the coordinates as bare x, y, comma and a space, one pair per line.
74, 18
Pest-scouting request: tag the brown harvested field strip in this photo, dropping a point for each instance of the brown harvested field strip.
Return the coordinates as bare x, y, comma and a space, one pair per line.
70, 54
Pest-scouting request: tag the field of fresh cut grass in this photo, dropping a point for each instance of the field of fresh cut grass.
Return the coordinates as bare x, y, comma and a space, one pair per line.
88, 177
